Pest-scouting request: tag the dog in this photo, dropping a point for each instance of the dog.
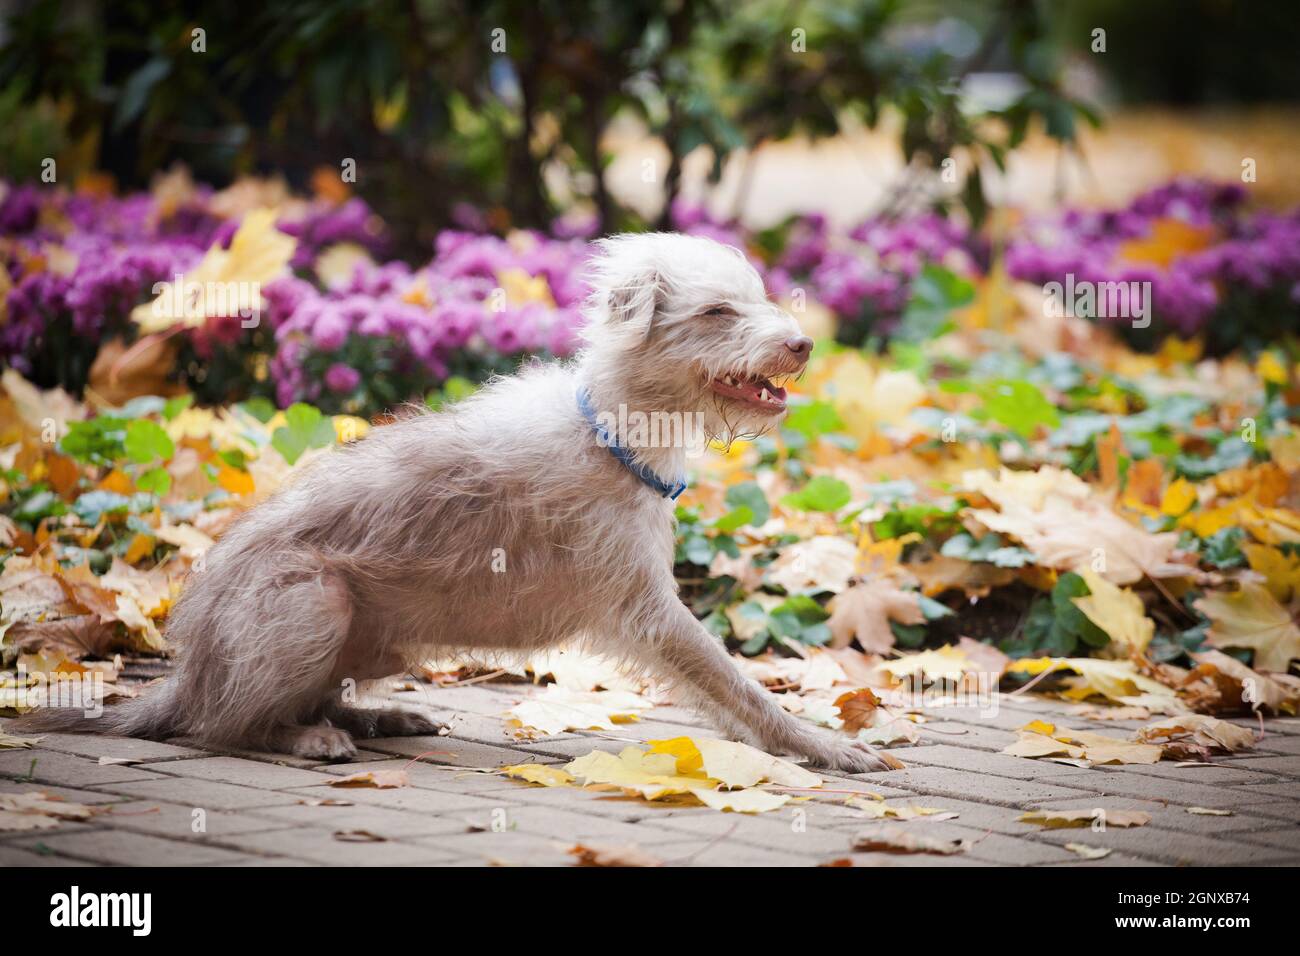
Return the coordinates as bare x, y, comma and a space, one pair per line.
520, 518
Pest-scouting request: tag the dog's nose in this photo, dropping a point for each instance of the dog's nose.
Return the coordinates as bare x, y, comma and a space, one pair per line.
800, 345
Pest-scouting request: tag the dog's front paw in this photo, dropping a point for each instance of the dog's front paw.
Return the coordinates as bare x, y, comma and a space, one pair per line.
857, 757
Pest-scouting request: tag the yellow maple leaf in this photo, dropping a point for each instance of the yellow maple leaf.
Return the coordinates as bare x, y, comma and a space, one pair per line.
1178, 497
1250, 617
539, 773
1116, 680
227, 282
1117, 611
1281, 571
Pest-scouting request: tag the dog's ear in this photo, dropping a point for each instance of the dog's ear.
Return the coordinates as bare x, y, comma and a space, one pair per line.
634, 302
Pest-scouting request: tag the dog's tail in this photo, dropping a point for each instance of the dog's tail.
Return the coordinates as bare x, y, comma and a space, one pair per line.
154, 716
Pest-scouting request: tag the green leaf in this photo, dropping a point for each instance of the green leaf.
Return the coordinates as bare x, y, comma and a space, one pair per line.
305, 427
175, 406
747, 494
260, 408
822, 493
736, 518
155, 480
146, 441
813, 419
1017, 404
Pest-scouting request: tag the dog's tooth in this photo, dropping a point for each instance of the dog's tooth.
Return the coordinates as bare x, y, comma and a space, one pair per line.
763, 396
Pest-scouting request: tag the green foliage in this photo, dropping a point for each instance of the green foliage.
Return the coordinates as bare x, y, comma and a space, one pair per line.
305, 427
822, 493
425, 92
1055, 626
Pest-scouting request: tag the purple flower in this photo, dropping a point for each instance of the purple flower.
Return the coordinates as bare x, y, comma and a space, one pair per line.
342, 378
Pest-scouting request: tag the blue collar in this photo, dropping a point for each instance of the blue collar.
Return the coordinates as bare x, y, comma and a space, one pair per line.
624, 454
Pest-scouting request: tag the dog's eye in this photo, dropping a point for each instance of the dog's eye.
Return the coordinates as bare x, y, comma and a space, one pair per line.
720, 311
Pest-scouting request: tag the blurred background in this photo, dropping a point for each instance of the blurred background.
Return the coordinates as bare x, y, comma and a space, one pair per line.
439, 164
763, 108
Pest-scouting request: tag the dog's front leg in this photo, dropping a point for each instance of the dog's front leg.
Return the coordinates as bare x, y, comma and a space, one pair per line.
693, 659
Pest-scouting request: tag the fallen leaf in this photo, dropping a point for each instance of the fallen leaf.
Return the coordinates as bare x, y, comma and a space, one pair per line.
1117, 611
1207, 731
358, 836
603, 854
1057, 819
1251, 617
558, 709
1089, 852
894, 838
1208, 812
379, 779
864, 611
539, 774
857, 708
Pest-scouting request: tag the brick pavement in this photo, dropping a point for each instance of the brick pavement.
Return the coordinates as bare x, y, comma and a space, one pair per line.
182, 805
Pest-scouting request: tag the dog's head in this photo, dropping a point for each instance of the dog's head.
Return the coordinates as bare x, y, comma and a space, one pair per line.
685, 324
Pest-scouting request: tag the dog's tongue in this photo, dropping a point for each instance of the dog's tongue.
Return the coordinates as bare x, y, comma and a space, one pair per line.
774, 390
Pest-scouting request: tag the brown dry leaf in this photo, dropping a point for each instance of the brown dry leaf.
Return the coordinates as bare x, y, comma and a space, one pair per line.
604, 854
83, 635
1057, 819
379, 779
942, 573
1210, 732
358, 836
36, 810
1230, 685
865, 610
1251, 617
1057, 516
895, 838
857, 709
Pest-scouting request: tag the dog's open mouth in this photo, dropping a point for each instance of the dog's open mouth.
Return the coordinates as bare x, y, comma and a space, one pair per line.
756, 392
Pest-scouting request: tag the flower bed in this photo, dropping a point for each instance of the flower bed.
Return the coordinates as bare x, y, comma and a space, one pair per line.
349, 332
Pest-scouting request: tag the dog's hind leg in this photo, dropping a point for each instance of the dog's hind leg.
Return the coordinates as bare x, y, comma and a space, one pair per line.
686, 653
359, 663
279, 686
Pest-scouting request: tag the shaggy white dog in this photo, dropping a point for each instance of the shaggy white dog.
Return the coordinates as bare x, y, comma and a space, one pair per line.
521, 518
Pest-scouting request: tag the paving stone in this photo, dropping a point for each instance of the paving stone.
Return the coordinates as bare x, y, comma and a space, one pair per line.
1162, 789
1288, 766
24, 856
1259, 793
207, 794
68, 770
965, 735
177, 821
62, 793
244, 773
97, 745
454, 752
1200, 773
1278, 744
505, 847
977, 787
567, 825
1285, 839
315, 846
1169, 817
726, 853
982, 816
1003, 765
416, 799
574, 747
383, 821
1113, 860
1280, 810
778, 830
126, 848
1188, 849
907, 860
